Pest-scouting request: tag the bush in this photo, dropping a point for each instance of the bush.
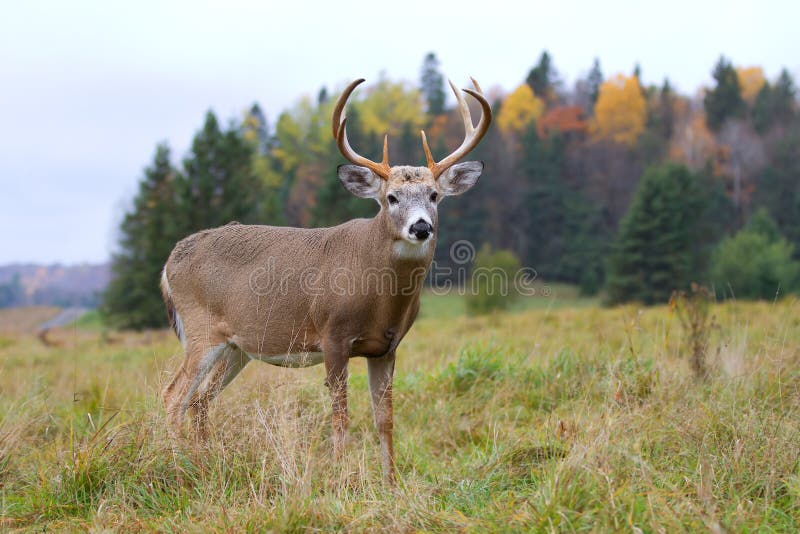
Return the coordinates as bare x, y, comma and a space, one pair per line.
752, 265
491, 286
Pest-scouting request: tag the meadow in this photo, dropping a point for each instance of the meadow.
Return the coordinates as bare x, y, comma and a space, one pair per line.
558, 415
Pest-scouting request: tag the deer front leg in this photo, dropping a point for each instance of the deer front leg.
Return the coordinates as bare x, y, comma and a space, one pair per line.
336, 355
381, 371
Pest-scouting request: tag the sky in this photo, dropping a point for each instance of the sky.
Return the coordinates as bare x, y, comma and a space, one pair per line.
87, 89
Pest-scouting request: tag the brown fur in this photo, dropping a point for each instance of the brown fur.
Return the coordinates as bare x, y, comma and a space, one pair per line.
210, 274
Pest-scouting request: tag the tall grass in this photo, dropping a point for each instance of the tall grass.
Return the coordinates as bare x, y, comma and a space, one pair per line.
543, 420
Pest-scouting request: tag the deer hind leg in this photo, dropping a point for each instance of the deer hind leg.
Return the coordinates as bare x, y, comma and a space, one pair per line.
227, 367
198, 363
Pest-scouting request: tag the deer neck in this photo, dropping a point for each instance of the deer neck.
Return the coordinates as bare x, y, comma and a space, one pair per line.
395, 252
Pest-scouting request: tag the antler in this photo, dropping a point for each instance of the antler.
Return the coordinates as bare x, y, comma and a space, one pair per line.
340, 134
473, 135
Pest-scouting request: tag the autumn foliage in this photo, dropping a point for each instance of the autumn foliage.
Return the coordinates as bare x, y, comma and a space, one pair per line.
563, 120
620, 112
519, 110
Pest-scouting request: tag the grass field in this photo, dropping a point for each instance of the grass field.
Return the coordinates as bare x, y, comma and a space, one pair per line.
555, 417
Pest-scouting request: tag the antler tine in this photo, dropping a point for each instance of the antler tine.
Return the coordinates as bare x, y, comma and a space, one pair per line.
473, 134
463, 108
340, 104
340, 134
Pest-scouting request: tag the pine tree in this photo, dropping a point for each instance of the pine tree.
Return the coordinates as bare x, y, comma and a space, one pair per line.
666, 111
218, 184
774, 104
543, 78
595, 80
565, 238
652, 253
779, 186
432, 85
725, 100
148, 233
255, 132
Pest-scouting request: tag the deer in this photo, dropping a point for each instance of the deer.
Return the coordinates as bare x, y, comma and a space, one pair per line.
239, 292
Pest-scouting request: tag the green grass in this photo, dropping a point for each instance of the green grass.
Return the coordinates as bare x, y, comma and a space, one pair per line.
548, 419
91, 321
547, 297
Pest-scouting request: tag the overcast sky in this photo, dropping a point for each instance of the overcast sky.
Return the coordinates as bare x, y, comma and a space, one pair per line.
87, 89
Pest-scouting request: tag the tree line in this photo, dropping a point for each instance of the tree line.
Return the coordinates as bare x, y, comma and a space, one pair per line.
617, 186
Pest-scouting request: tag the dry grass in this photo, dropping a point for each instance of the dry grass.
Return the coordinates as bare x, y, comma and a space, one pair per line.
16, 321
562, 420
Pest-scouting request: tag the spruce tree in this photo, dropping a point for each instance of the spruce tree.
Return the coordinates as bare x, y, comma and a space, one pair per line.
779, 185
725, 100
218, 184
774, 105
565, 237
147, 234
543, 78
595, 80
432, 85
652, 254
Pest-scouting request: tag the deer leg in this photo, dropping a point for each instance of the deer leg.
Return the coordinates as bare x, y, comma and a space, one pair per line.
381, 371
227, 367
336, 355
195, 368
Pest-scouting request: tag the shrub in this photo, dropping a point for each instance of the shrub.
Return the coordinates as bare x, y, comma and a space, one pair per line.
693, 311
751, 265
491, 286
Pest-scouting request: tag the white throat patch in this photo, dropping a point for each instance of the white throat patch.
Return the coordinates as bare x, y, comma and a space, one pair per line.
405, 249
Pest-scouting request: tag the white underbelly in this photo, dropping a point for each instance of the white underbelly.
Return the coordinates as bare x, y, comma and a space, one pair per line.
300, 359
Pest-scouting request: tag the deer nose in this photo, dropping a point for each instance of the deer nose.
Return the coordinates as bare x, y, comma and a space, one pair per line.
421, 229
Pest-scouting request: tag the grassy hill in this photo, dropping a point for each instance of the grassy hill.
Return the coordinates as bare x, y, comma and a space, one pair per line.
555, 418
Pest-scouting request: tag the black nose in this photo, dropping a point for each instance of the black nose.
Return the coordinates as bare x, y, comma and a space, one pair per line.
421, 229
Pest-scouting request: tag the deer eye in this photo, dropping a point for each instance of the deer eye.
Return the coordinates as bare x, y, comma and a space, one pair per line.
434, 196
392, 199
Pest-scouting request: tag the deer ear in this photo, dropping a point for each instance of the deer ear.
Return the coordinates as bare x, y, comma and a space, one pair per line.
460, 177
360, 181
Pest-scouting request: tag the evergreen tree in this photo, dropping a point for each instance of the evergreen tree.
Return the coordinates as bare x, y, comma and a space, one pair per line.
148, 233
432, 85
725, 100
255, 132
652, 254
565, 233
779, 186
543, 78
774, 104
322, 96
595, 80
218, 184
666, 111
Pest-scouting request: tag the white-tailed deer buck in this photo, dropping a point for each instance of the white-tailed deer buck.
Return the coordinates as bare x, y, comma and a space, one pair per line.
297, 297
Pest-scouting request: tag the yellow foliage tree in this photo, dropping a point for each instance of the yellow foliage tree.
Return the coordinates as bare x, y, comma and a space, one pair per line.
620, 113
519, 110
390, 106
751, 80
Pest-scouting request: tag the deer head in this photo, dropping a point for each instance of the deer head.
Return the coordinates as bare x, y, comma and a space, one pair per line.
409, 196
